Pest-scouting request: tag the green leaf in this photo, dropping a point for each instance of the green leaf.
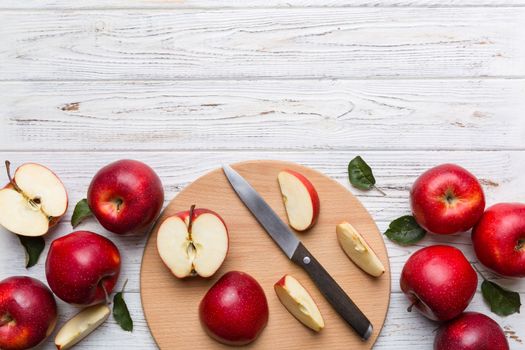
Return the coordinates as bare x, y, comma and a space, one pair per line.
121, 312
33, 247
503, 302
405, 231
80, 213
361, 176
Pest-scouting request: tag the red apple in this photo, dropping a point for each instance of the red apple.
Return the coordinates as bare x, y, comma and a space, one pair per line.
499, 239
28, 313
80, 266
300, 198
193, 247
471, 331
439, 281
447, 199
33, 201
125, 196
234, 311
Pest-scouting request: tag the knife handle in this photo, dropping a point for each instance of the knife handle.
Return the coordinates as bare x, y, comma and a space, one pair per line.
335, 295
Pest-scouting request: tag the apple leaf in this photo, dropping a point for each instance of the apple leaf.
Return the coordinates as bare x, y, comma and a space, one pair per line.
33, 247
503, 302
405, 231
121, 312
80, 213
361, 176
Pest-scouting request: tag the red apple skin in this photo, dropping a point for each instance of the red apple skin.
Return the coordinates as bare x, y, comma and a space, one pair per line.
196, 213
471, 331
125, 196
32, 309
80, 265
447, 199
499, 239
235, 310
439, 281
316, 204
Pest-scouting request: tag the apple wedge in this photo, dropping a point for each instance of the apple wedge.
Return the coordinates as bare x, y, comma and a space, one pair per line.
81, 325
358, 250
196, 246
299, 303
33, 201
300, 198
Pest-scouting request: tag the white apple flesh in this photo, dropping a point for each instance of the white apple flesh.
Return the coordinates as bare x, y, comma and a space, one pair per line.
33, 201
81, 326
300, 198
196, 250
358, 250
299, 303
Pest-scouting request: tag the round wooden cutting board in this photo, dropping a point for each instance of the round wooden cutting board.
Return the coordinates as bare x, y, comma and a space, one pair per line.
171, 305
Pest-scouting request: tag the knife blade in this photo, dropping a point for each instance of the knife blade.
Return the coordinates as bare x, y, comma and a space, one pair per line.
297, 252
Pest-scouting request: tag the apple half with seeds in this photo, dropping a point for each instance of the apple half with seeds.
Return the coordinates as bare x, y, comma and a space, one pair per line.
299, 303
193, 242
300, 198
81, 325
358, 250
33, 201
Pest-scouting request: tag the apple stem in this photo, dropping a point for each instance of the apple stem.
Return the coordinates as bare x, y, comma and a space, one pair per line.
520, 245
380, 190
5, 320
124, 286
475, 268
414, 303
8, 169
108, 301
190, 222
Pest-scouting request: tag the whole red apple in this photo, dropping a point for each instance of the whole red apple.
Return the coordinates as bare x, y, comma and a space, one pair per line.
235, 310
447, 199
439, 281
471, 331
80, 266
28, 313
499, 239
125, 196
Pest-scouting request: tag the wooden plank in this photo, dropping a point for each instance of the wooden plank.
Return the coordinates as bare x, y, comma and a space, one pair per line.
180, 4
402, 330
500, 172
300, 43
280, 115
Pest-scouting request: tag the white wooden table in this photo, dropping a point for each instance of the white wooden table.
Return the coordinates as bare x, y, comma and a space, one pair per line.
188, 85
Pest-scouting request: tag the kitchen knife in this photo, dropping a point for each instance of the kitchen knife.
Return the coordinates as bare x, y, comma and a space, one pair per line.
297, 252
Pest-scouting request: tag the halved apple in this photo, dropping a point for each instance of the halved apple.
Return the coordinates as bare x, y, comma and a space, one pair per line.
300, 198
193, 247
358, 250
299, 303
34, 200
81, 325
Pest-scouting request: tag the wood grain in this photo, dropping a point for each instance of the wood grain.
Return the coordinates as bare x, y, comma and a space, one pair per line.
171, 305
183, 4
278, 115
267, 43
500, 171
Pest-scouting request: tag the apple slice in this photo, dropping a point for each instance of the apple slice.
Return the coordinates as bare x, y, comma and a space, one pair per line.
300, 199
358, 250
34, 200
193, 247
80, 326
299, 303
